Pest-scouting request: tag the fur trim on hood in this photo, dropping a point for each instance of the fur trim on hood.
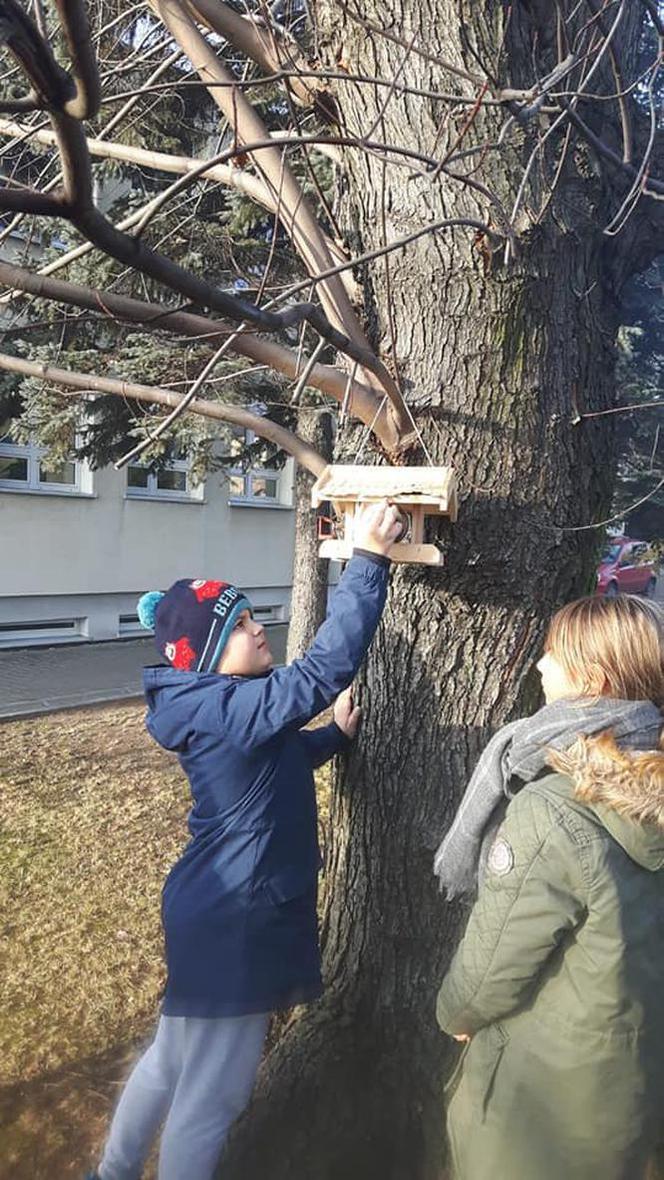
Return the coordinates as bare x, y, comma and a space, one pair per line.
629, 782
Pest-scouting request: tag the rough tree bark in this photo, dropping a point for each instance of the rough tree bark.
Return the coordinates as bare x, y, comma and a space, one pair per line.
496, 363
310, 573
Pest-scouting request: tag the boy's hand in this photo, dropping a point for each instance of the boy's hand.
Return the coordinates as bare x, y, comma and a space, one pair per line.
377, 527
347, 715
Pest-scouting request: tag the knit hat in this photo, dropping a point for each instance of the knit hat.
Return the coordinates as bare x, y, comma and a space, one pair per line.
192, 621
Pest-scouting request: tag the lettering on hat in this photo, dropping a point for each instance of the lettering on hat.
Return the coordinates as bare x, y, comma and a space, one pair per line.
225, 601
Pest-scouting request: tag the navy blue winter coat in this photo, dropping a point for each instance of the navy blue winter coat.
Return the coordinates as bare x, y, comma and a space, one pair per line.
239, 907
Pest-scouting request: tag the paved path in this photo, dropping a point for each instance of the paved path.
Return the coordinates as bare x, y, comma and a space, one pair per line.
41, 680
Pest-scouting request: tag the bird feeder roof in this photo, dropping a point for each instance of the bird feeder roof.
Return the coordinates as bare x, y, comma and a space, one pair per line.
434, 488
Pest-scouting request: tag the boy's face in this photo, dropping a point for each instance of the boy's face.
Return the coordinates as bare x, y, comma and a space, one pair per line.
247, 652
556, 684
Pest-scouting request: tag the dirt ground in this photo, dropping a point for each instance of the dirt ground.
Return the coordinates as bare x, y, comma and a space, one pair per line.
92, 815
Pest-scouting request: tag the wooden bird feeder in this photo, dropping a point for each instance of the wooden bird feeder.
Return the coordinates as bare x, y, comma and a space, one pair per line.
417, 491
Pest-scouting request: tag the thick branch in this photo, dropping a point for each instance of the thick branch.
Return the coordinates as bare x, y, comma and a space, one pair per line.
29, 200
294, 210
363, 401
295, 214
237, 178
80, 209
76, 26
50, 83
271, 49
90, 383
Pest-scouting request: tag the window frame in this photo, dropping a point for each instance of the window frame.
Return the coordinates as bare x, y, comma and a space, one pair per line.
152, 491
248, 475
33, 454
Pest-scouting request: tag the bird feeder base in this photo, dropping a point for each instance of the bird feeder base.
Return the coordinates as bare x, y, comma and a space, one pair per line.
418, 492
401, 551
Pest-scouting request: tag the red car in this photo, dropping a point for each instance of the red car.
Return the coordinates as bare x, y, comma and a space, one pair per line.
627, 567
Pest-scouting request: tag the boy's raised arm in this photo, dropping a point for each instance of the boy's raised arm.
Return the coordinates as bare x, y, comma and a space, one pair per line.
250, 712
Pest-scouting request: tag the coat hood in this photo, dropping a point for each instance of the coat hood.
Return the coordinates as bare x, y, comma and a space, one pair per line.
624, 789
174, 699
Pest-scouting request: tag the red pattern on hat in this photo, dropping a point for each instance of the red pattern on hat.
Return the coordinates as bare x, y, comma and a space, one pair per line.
181, 653
204, 590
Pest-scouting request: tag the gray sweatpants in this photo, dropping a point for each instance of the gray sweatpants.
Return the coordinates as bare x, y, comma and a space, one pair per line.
197, 1075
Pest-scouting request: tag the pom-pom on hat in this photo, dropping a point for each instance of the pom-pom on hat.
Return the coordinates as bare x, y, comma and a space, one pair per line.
192, 621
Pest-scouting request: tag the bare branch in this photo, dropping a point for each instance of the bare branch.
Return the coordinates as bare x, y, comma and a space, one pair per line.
651, 185
326, 75
297, 217
620, 86
236, 178
29, 200
79, 207
91, 383
270, 53
599, 524
150, 316
51, 84
75, 23
20, 106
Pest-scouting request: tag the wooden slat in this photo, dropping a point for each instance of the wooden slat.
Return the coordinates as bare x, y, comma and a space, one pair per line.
415, 554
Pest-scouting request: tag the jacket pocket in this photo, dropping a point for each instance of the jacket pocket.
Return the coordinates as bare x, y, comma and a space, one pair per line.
484, 1056
288, 883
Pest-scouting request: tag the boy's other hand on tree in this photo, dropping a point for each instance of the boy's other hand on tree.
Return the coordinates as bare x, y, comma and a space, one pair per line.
377, 527
346, 714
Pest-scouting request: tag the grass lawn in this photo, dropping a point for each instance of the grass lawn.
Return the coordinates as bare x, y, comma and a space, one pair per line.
92, 815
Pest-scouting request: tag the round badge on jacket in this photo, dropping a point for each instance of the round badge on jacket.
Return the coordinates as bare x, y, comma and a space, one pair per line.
501, 857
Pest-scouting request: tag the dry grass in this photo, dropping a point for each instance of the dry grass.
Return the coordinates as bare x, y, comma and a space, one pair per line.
92, 815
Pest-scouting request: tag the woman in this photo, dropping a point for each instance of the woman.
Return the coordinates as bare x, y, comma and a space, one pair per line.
557, 987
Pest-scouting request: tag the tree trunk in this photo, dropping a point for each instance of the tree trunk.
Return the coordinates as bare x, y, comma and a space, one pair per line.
310, 573
496, 362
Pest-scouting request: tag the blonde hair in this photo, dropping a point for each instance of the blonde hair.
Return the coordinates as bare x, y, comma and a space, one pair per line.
611, 647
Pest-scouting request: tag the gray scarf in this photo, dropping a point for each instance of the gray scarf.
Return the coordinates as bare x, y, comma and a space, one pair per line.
519, 751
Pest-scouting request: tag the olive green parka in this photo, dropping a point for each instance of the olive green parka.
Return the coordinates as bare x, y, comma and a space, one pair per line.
559, 980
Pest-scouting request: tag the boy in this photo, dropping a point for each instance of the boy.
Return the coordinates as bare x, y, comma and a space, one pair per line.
239, 907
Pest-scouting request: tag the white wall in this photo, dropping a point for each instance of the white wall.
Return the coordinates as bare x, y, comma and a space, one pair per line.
91, 556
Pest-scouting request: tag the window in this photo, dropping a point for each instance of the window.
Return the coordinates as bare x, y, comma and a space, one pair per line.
256, 485
170, 483
26, 468
268, 614
36, 631
610, 554
130, 625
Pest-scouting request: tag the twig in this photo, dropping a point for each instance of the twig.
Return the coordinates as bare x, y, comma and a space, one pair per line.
580, 528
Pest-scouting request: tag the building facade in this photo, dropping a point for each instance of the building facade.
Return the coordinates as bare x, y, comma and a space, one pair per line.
78, 548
